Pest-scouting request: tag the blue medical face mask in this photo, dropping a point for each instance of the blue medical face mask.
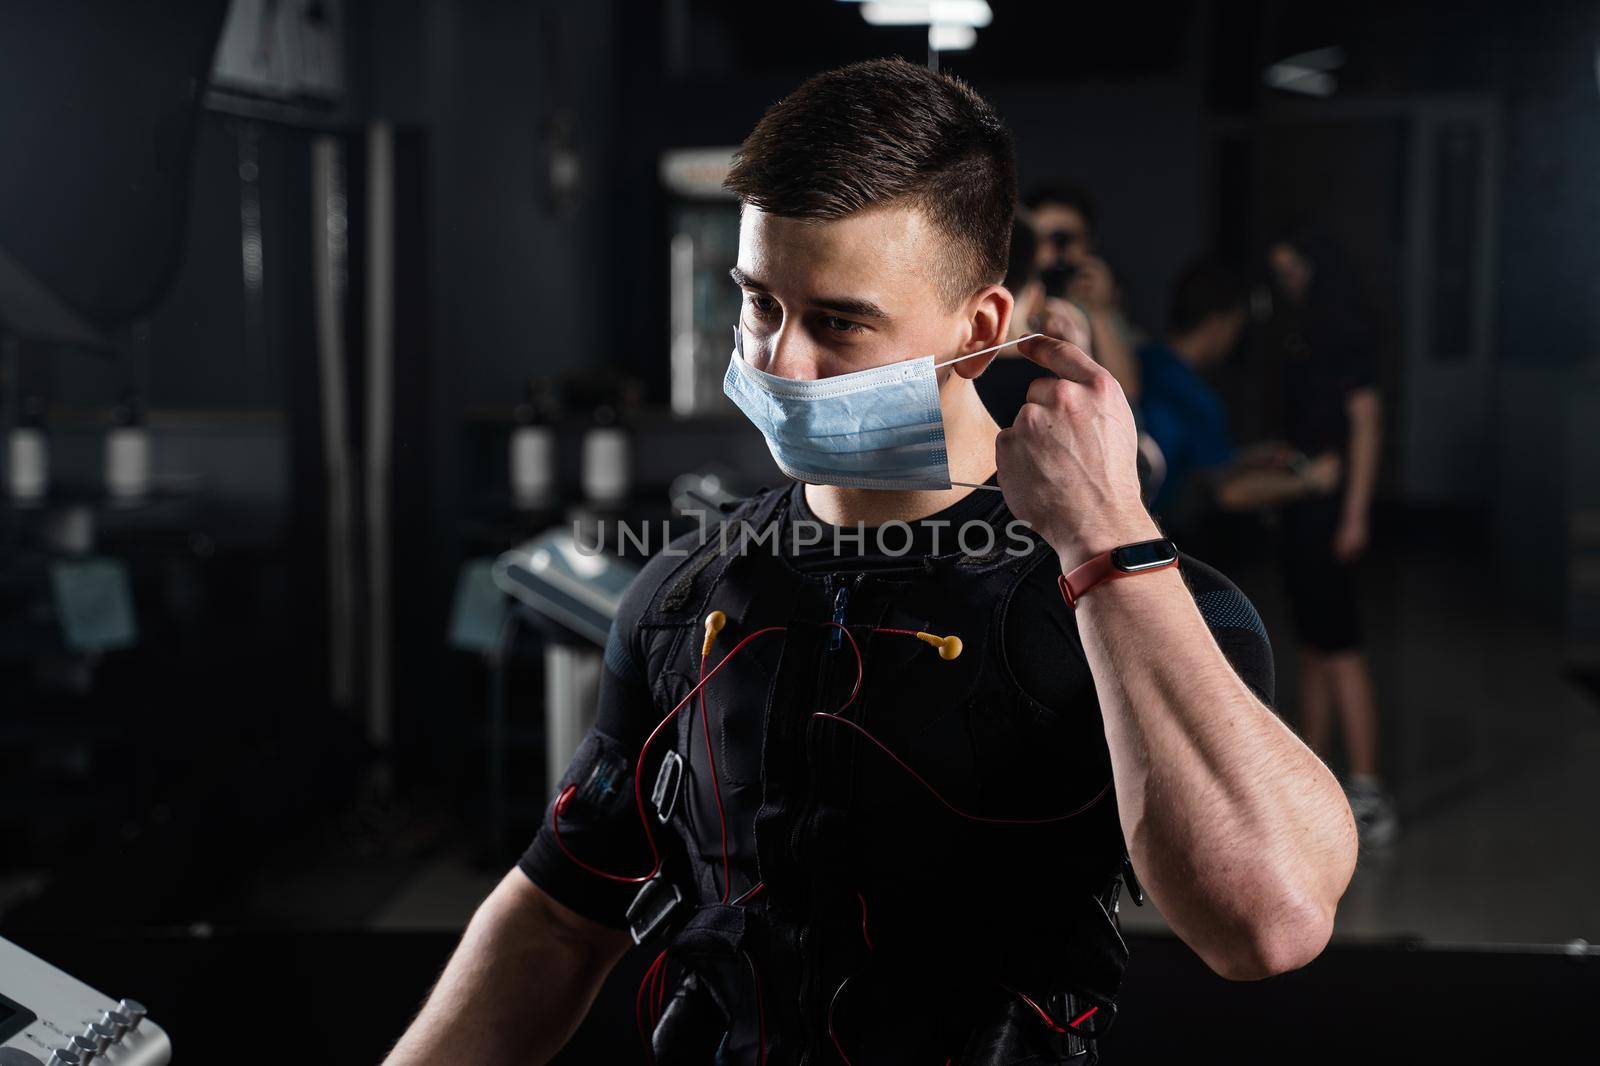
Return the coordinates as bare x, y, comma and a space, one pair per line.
872, 429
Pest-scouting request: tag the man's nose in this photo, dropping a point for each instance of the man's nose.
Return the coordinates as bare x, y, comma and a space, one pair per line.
791, 355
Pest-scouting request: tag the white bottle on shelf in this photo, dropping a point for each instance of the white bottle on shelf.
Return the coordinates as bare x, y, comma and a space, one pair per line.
607, 459
28, 456
533, 452
128, 454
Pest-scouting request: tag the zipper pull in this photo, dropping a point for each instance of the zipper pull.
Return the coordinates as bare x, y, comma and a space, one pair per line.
841, 600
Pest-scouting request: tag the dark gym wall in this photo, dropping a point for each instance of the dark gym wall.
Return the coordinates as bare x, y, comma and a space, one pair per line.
1549, 313
512, 284
518, 281
1142, 150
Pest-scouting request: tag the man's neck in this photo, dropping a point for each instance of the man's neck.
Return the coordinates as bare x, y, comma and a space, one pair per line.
969, 441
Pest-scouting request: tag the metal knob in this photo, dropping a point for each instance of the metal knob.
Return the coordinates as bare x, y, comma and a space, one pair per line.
101, 1034
133, 1009
85, 1046
64, 1056
120, 1023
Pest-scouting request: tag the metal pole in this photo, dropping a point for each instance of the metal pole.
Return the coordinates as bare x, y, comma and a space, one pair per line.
330, 273
380, 420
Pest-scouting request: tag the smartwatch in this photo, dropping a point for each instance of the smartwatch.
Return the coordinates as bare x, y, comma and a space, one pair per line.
1123, 561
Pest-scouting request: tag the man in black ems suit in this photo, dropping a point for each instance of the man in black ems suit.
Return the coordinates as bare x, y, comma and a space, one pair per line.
871, 765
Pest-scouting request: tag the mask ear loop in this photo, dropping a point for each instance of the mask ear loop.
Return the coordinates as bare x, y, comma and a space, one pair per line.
971, 355
985, 351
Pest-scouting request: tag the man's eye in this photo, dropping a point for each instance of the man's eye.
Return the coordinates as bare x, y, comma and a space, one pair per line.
763, 306
843, 325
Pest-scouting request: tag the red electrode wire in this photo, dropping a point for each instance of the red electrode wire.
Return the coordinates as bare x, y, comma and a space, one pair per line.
837, 1046
716, 790
761, 1010
948, 805
560, 805
1055, 1027
705, 722
866, 939
641, 1001
652, 989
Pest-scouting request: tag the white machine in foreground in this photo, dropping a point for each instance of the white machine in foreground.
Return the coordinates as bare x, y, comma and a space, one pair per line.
48, 1018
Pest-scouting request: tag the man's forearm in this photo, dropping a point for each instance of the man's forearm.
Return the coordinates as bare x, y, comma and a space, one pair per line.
1241, 835
1245, 490
513, 992
1365, 444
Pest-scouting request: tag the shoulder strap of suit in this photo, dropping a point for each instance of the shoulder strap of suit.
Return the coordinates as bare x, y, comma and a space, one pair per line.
682, 596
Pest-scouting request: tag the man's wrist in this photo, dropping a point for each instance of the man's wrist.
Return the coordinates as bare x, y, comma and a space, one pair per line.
1079, 548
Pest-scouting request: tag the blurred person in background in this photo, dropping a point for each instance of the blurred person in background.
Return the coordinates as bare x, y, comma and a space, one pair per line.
1063, 220
1331, 403
1189, 422
1003, 387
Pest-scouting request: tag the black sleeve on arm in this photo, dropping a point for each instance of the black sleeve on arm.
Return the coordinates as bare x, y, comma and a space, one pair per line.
600, 823
1234, 623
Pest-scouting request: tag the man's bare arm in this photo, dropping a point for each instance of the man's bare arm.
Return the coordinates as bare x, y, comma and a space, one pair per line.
1366, 419
1366, 432
524, 975
1239, 833
1251, 488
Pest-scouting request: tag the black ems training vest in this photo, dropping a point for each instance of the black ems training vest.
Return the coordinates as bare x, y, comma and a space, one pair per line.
919, 935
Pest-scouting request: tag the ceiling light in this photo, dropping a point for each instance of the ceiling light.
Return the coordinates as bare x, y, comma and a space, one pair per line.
1306, 72
971, 14
943, 37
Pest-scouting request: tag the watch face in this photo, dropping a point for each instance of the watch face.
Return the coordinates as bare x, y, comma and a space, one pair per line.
1144, 555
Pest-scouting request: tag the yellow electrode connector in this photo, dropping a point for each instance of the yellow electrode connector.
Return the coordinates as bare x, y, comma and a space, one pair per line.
949, 647
714, 623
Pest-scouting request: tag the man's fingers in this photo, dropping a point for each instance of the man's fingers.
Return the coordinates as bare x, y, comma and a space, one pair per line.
1042, 391
1069, 324
1064, 359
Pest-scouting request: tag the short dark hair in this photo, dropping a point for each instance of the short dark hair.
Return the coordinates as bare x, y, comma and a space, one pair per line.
1023, 266
1065, 194
884, 132
1203, 289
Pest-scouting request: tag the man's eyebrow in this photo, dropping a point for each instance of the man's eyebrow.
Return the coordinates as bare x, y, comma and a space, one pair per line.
844, 305
745, 281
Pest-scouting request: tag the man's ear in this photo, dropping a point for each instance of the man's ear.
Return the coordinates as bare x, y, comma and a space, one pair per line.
971, 368
989, 318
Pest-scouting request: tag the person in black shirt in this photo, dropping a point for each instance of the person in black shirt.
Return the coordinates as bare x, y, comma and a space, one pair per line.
877, 805
1331, 408
1004, 385
1064, 221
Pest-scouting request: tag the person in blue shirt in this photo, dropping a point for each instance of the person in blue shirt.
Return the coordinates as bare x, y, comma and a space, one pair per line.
1188, 420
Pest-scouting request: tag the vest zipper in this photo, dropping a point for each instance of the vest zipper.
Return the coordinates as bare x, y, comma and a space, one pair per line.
841, 600
839, 593
840, 596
